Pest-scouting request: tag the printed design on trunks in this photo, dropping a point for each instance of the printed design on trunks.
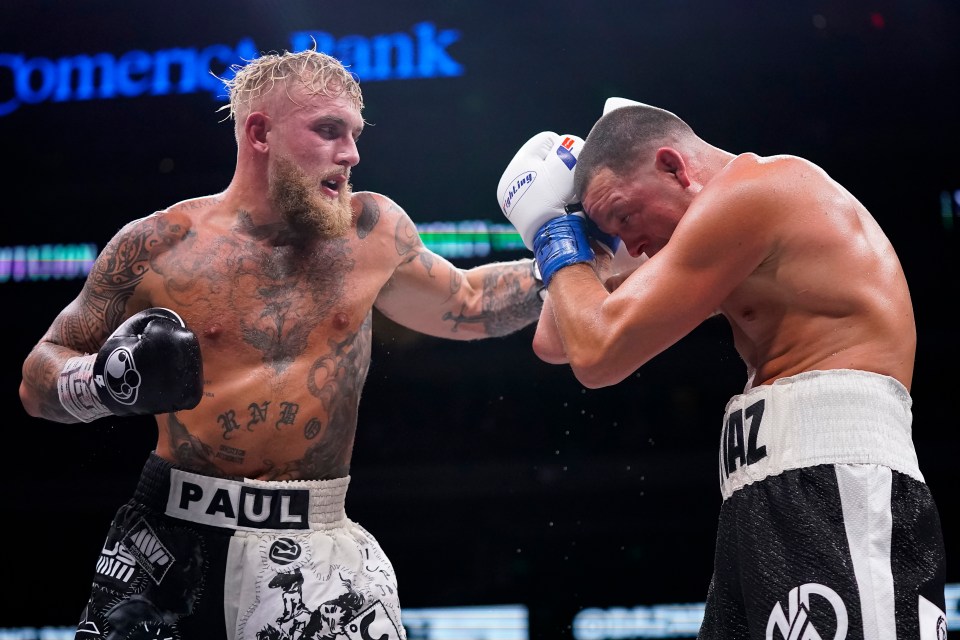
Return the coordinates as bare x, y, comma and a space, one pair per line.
139, 546
285, 550
933, 620
347, 615
116, 562
795, 624
739, 439
147, 549
237, 505
86, 626
149, 579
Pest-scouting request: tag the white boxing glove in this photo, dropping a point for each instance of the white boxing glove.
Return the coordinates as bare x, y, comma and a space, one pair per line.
538, 182
616, 103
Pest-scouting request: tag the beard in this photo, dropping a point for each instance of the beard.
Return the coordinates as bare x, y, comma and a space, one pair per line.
295, 196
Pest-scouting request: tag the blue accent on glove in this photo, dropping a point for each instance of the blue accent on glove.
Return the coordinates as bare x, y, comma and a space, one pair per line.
612, 242
560, 242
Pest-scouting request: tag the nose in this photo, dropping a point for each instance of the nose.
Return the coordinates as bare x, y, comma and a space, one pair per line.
348, 155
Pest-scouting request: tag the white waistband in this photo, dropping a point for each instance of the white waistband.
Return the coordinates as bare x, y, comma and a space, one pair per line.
818, 417
257, 504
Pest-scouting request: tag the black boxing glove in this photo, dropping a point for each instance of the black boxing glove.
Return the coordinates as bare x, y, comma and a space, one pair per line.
150, 364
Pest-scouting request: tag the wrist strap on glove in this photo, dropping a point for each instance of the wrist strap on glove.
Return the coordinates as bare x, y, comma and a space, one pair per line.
561, 242
75, 386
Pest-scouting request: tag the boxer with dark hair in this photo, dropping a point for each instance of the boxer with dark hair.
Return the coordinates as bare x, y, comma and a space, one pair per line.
827, 528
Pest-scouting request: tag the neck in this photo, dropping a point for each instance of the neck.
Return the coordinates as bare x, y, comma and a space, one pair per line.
710, 161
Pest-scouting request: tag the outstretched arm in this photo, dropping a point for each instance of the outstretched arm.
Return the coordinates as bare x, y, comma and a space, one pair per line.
429, 294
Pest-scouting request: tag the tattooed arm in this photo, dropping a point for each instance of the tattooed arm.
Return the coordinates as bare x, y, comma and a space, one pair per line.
430, 295
110, 294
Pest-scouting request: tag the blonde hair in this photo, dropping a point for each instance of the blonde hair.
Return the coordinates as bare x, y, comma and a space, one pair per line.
316, 73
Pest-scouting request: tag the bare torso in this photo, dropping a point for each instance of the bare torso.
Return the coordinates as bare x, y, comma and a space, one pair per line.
285, 334
802, 272
831, 294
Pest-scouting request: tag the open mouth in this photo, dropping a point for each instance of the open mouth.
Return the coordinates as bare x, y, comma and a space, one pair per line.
331, 187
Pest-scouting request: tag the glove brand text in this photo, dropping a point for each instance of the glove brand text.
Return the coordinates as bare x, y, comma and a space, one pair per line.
519, 187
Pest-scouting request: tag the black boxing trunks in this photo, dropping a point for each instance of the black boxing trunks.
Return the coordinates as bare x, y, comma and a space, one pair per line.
827, 529
200, 557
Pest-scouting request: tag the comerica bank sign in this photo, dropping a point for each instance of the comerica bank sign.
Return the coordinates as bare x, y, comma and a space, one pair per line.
419, 53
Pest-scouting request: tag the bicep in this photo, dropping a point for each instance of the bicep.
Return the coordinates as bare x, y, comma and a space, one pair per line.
427, 293
111, 292
685, 283
425, 290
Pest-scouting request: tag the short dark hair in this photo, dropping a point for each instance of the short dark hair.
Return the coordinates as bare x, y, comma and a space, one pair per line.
619, 139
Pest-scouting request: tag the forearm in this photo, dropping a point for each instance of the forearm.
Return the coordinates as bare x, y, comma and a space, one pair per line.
150, 364
507, 294
547, 343
577, 298
38, 389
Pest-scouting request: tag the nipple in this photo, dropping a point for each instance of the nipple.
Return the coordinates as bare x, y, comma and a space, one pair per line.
341, 321
213, 330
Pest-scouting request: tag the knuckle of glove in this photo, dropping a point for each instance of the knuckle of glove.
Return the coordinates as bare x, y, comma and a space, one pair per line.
536, 187
136, 323
156, 368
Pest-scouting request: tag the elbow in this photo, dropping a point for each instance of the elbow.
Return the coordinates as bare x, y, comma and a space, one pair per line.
587, 381
30, 405
593, 370
550, 351
593, 379
603, 361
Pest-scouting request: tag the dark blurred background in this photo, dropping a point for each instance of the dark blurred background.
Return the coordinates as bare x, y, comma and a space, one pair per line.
488, 476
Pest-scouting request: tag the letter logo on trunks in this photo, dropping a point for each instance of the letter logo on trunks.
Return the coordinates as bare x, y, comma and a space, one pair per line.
228, 503
735, 451
148, 550
796, 624
285, 551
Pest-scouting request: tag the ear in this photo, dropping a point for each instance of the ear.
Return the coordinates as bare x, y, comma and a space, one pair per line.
670, 161
255, 130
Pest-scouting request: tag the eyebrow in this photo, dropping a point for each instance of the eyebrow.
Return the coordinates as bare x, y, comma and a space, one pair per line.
337, 120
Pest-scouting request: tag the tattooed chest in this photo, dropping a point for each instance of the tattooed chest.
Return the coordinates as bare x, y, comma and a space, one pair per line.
269, 302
